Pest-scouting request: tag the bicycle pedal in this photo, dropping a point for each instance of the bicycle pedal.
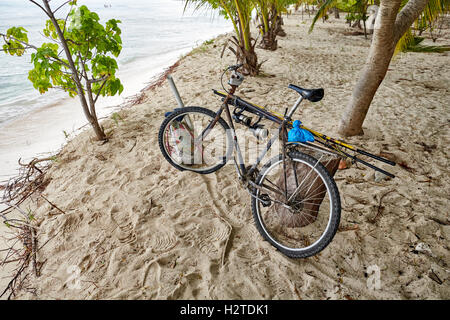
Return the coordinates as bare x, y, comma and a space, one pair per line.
265, 200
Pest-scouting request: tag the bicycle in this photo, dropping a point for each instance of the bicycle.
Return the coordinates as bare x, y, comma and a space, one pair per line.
295, 201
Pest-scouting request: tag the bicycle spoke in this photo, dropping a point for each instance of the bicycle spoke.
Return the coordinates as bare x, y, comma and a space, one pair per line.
294, 168
312, 199
304, 213
314, 195
319, 186
305, 179
272, 189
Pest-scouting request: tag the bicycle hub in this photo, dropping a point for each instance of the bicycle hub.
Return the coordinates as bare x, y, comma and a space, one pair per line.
259, 132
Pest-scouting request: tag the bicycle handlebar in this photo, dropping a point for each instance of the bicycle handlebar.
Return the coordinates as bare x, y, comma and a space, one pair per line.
235, 67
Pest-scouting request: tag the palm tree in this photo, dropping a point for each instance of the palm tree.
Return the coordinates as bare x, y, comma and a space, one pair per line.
269, 12
239, 13
394, 21
356, 9
393, 35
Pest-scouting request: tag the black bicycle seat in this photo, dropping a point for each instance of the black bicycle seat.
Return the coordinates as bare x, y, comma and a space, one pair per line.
313, 95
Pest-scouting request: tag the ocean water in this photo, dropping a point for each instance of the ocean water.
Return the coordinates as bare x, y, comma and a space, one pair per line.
151, 28
155, 33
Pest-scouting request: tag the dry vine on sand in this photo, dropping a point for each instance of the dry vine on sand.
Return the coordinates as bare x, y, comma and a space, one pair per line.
22, 244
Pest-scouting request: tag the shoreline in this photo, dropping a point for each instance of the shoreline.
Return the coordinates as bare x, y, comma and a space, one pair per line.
139, 229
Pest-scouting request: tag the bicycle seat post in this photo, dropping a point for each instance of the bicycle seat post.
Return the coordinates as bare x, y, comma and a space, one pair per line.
294, 108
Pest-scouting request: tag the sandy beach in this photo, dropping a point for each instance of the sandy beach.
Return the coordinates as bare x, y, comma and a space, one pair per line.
134, 227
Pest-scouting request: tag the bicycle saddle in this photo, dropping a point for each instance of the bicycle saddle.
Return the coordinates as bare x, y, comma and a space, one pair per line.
313, 95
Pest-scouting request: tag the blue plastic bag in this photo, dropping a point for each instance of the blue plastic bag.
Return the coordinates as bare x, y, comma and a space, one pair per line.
297, 134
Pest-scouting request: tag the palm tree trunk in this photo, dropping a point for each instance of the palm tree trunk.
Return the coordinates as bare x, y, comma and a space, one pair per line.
269, 32
244, 27
279, 29
392, 26
365, 28
336, 13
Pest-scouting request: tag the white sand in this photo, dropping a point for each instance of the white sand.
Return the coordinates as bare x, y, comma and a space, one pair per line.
139, 229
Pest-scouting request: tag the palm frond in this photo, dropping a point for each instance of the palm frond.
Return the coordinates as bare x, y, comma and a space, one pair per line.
429, 49
433, 10
327, 5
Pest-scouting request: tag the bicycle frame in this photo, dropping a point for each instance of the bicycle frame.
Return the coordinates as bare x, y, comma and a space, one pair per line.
261, 112
331, 144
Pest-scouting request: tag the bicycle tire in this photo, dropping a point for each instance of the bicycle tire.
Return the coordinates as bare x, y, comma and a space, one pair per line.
204, 111
335, 206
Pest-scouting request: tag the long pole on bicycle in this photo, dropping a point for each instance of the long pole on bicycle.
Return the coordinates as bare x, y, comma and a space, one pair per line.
341, 144
175, 91
178, 98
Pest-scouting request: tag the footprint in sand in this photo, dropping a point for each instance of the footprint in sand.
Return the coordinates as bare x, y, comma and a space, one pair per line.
86, 196
163, 241
91, 179
122, 219
249, 254
276, 280
146, 171
209, 238
160, 283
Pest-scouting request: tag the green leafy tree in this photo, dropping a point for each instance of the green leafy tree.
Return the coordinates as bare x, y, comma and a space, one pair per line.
79, 59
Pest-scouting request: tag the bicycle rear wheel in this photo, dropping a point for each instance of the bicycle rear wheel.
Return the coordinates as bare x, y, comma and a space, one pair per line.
304, 211
188, 142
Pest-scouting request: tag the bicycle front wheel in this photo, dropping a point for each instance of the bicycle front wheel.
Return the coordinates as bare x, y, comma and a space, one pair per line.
302, 208
191, 139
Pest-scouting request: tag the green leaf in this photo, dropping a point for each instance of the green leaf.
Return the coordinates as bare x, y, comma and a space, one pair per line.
15, 41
